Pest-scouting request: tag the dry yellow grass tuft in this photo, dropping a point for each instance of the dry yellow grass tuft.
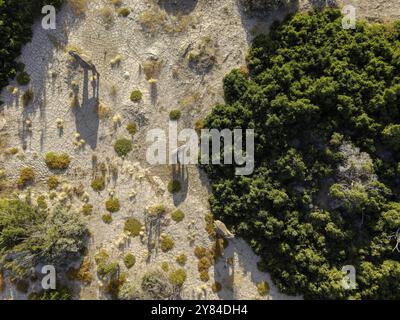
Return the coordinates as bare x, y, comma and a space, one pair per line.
79, 7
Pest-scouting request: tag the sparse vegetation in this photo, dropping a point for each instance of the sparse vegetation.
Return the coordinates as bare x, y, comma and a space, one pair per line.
216, 287
106, 15
156, 285
152, 68
56, 161
123, 146
112, 205
132, 227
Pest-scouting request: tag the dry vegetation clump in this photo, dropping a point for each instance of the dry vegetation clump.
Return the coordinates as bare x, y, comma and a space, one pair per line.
26, 177
83, 273
124, 12
263, 288
107, 15
204, 56
113, 205
79, 7
53, 182
178, 277
156, 20
152, 68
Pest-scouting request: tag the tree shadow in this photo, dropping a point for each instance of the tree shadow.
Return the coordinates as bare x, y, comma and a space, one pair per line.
259, 22
180, 173
176, 7
86, 116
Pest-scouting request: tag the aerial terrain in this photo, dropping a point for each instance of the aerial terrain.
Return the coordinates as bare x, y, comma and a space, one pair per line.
77, 191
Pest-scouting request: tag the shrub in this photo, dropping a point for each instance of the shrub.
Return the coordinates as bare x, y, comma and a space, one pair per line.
124, 12
178, 215
175, 114
123, 146
23, 78
200, 252
204, 276
132, 128
107, 218
181, 259
87, 209
178, 277
152, 68
156, 210
53, 182
57, 161
129, 260
132, 227
263, 288
167, 243
136, 95
216, 287
27, 97
174, 186
26, 176
106, 15
165, 266
29, 236
199, 125
98, 184
41, 202
101, 257
156, 286
78, 6
210, 228
107, 270
112, 205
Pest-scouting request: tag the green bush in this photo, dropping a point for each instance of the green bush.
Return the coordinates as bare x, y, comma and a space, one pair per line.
178, 215
136, 96
98, 184
23, 78
129, 260
124, 12
181, 259
174, 186
26, 177
131, 128
112, 205
87, 209
175, 114
133, 227
53, 182
167, 243
107, 218
57, 161
178, 277
123, 146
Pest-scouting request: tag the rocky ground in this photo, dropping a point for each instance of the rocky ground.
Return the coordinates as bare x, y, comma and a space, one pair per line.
150, 33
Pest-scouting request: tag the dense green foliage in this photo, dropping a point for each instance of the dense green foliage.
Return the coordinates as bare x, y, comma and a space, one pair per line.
324, 104
29, 235
123, 146
16, 19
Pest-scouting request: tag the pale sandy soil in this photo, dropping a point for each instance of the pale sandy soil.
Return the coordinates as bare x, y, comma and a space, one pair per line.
178, 86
